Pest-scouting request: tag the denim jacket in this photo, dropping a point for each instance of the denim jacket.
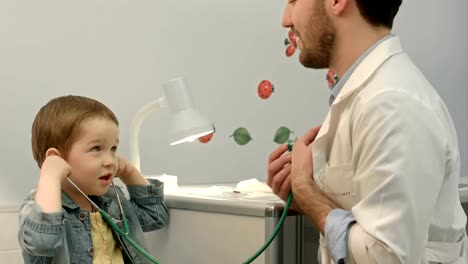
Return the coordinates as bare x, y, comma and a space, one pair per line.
65, 237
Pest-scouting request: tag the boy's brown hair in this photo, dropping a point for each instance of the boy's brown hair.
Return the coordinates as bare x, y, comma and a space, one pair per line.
57, 123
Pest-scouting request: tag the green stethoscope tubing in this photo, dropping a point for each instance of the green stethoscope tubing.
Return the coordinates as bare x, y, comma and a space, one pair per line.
275, 232
154, 260
280, 222
111, 221
125, 233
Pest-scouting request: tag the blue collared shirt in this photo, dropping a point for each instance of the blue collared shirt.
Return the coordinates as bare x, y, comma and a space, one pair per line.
339, 221
335, 90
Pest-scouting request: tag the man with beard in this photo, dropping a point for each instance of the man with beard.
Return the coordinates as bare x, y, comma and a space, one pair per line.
379, 177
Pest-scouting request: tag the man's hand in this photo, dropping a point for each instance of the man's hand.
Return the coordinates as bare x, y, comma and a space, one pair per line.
279, 170
302, 169
279, 174
312, 201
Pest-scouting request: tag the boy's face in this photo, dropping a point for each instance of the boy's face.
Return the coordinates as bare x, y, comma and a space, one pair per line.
92, 157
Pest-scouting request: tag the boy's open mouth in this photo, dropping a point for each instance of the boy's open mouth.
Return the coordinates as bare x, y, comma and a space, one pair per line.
106, 177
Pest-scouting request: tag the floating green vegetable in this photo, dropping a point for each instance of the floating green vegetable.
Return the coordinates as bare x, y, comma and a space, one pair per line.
282, 135
241, 136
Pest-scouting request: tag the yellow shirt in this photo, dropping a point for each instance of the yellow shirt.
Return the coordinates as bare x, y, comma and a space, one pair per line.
106, 250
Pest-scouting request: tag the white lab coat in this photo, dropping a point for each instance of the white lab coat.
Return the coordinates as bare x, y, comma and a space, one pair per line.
388, 152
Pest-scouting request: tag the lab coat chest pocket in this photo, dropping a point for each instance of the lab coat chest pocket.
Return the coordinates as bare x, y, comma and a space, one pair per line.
338, 184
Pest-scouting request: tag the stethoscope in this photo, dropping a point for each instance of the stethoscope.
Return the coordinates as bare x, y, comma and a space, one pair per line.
113, 222
125, 233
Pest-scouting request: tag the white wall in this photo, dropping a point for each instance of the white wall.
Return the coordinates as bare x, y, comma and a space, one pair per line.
10, 251
120, 52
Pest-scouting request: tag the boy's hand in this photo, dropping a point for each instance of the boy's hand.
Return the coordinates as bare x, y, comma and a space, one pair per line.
54, 171
128, 173
55, 168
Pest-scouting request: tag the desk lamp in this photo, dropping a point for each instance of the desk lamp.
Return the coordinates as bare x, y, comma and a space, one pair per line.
186, 126
187, 123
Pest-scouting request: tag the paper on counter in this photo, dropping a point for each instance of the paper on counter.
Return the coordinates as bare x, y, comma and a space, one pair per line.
248, 190
252, 190
253, 185
209, 191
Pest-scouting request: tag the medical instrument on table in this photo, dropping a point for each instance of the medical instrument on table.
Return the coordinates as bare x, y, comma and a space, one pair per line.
280, 222
112, 222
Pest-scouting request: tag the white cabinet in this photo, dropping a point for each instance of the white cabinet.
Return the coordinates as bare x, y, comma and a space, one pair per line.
226, 230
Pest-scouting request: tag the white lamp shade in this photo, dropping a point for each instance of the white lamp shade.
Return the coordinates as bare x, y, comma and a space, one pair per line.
177, 94
188, 125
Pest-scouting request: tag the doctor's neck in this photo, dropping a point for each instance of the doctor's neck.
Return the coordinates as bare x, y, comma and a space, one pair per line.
351, 42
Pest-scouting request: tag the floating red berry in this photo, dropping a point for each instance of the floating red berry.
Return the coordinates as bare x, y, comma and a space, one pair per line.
206, 138
332, 78
290, 50
265, 89
292, 38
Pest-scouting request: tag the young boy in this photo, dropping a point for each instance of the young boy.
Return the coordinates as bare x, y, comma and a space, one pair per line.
77, 138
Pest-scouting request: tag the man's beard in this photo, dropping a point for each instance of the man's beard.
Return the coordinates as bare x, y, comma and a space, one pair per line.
317, 55
318, 58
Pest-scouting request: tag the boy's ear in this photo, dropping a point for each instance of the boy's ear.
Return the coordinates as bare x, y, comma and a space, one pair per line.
52, 152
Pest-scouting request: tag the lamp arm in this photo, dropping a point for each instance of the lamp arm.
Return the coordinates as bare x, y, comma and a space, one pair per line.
140, 116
